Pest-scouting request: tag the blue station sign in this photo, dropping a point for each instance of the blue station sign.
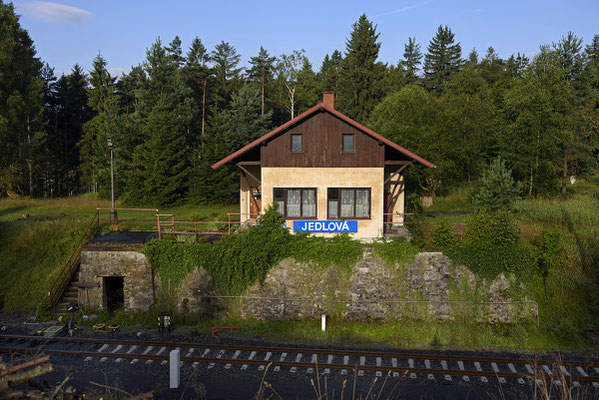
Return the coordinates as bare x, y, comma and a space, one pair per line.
326, 226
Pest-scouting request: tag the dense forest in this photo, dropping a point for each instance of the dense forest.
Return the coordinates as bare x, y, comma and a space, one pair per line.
178, 111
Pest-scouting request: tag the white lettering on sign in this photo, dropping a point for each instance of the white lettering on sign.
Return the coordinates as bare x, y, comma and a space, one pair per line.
326, 226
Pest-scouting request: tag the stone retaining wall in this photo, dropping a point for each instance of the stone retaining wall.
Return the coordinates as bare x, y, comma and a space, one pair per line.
427, 288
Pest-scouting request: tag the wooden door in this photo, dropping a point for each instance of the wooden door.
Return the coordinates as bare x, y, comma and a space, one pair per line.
255, 201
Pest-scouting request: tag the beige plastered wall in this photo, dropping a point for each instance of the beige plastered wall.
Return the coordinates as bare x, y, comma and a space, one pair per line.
323, 178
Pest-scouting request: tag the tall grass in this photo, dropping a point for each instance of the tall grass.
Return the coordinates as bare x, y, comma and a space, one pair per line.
37, 237
461, 332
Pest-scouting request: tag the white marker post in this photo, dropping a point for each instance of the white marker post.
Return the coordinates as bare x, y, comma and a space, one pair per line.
323, 322
175, 369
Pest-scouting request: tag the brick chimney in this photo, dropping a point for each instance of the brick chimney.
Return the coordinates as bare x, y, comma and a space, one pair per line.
328, 99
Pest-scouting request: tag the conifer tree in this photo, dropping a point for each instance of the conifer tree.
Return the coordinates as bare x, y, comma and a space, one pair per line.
103, 126
473, 57
328, 76
571, 55
444, 58
73, 112
412, 60
360, 76
175, 52
308, 92
21, 95
496, 189
491, 66
261, 71
163, 158
225, 60
159, 155
242, 121
199, 79
230, 130
516, 65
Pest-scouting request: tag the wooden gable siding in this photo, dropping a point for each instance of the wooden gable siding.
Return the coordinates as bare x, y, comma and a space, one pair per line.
322, 136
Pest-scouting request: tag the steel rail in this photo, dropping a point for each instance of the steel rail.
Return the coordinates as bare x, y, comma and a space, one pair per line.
357, 353
403, 370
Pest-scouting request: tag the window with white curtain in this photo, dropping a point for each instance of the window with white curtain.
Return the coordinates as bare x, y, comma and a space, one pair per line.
348, 203
296, 203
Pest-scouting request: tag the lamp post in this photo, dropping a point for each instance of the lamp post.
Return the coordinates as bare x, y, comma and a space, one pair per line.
113, 217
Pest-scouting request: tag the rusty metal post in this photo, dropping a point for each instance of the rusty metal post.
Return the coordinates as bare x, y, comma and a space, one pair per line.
229, 222
158, 225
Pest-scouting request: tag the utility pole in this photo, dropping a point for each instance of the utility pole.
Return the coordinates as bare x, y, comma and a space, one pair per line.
113, 217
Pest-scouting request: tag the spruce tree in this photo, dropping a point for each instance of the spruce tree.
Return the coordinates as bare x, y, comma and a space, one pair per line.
444, 58
163, 159
157, 133
73, 112
95, 157
242, 121
175, 52
360, 76
225, 60
308, 93
473, 57
328, 76
516, 65
491, 66
412, 60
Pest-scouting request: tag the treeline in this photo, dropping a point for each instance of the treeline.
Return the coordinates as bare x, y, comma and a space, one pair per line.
179, 111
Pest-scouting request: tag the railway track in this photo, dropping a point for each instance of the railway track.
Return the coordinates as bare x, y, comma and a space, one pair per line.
433, 367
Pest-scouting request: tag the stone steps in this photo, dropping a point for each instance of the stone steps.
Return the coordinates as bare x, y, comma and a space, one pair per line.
70, 295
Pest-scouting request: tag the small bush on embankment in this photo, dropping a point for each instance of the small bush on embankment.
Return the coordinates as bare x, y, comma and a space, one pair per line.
491, 247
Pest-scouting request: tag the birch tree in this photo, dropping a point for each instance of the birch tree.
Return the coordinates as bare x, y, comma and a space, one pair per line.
288, 68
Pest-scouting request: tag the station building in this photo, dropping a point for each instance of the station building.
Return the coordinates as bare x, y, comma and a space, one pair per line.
326, 174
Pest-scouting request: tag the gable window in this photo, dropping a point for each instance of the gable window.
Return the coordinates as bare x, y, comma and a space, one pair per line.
296, 203
345, 203
348, 143
297, 143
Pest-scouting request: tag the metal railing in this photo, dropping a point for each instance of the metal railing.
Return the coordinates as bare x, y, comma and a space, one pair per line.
70, 267
142, 222
167, 225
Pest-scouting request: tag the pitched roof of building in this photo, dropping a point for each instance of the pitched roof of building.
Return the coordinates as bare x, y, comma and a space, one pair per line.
309, 113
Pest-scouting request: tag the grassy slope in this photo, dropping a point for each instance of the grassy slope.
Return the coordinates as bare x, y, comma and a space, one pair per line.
33, 250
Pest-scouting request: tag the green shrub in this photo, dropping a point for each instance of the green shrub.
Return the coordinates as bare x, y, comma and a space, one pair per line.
240, 260
488, 230
496, 189
416, 229
235, 263
548, 253
443, 236
340, 250
195, 216
395, 250
490, 262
